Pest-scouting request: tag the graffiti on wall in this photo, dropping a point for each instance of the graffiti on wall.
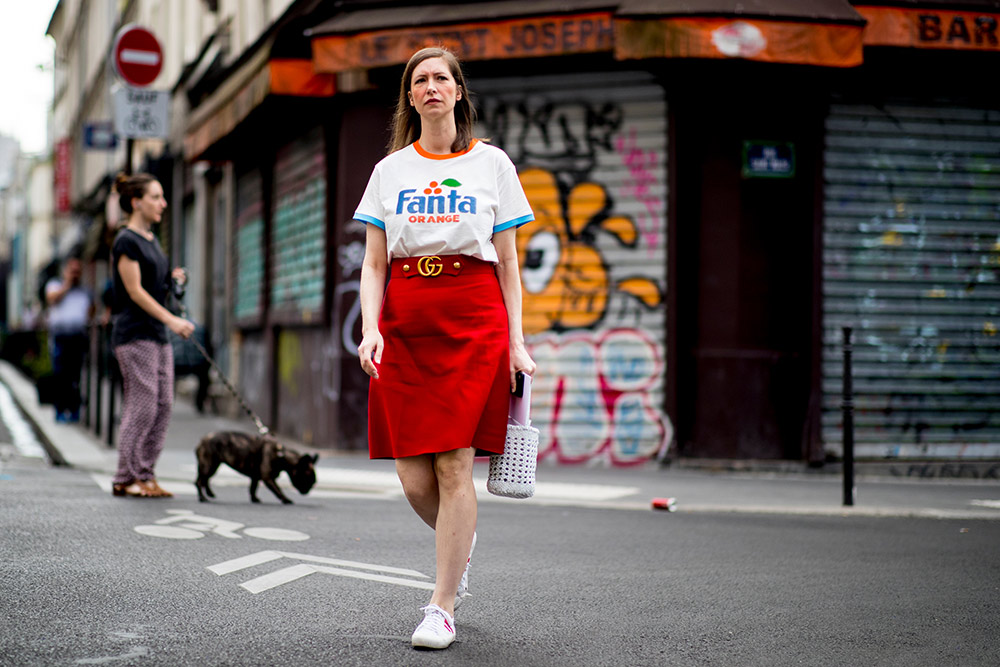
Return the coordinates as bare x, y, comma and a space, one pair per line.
595, 396
566, 278
592, 272
642, 166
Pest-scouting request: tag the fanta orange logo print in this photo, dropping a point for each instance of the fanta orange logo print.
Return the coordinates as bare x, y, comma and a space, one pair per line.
435, 205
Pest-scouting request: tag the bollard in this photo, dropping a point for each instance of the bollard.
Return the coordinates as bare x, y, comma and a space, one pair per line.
99, 385
847, 409
85, 405
112, 376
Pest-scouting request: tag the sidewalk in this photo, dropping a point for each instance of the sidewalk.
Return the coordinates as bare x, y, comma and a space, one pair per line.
346, 474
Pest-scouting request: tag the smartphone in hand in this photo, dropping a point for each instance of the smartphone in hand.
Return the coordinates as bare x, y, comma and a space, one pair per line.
520, 400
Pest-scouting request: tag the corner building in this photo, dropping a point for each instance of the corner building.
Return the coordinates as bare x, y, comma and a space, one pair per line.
719, 187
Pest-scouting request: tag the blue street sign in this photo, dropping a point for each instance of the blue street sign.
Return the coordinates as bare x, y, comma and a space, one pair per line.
100, 136
768, 159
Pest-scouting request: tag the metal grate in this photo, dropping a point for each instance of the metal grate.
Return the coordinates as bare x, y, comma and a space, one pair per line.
591, 151
912, 261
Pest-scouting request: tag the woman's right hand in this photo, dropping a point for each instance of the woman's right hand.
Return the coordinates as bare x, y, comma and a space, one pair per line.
370, 352
181, 327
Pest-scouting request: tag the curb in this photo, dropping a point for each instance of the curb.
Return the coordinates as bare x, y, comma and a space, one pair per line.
30, 408
905, 469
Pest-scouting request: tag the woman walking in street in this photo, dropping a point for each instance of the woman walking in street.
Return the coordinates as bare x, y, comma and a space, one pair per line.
443, 341
139, 336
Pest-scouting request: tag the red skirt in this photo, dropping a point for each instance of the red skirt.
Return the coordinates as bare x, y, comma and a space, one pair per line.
444, 379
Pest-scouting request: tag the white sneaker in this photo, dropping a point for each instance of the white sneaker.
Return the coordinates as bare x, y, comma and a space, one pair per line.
463, 585
437, 630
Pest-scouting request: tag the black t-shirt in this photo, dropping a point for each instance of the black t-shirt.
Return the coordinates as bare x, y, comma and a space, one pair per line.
130, 322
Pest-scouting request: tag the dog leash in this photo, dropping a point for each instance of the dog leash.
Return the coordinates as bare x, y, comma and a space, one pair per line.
261, 429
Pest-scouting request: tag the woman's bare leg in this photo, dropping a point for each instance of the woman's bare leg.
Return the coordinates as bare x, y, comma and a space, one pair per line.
456, 522
420, 485
439, 488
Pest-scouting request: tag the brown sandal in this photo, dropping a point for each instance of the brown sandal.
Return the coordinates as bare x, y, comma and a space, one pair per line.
132, 490
154, 489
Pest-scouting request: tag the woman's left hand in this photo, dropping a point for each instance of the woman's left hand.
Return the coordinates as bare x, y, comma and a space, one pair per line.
520, 360
179, 275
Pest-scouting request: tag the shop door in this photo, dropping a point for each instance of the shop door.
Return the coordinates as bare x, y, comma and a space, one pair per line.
745, 262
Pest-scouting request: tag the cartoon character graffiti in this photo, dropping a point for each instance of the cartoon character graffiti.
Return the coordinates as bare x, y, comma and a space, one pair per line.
566, 280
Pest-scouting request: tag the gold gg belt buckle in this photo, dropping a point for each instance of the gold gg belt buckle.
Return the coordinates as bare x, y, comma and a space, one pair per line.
430, 266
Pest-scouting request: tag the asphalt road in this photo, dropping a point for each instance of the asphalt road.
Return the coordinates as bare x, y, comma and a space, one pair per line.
89, 579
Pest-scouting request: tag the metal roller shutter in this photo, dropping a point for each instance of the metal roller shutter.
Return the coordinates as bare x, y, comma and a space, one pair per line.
912, 262
591, 152
248, 303
298, 238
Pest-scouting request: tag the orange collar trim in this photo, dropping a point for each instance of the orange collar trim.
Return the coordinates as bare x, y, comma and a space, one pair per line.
432, 156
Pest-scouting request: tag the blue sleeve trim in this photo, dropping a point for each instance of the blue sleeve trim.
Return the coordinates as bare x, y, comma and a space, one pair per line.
516, 222
361, 217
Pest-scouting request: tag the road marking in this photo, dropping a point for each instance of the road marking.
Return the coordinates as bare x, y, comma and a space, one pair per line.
269, 581
191, 526
276, 534
275, 579
995, 504
169, 532
134, 652
244, 562
323, 565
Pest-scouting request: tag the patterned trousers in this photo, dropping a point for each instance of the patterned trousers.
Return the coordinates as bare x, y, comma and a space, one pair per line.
147, 400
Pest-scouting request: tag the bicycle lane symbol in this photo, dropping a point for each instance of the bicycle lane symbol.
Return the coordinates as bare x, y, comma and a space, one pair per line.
186, 525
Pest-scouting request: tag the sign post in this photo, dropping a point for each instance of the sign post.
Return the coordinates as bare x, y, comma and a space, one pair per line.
137, 56
139, 114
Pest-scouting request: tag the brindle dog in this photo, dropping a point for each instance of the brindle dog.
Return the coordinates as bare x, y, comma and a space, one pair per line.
261, 458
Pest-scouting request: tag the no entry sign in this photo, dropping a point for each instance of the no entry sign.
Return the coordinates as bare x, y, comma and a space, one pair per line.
137, 56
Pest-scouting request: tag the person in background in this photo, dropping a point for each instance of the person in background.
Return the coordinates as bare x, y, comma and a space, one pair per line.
142, 281
71, 307
443, 342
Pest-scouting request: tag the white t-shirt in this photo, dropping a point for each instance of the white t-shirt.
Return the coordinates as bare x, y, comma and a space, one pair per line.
444, 204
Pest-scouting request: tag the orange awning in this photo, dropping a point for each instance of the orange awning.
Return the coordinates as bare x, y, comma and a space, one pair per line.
243, 92
814, 32
931, 28
791, 42
512, 38
804, 32
293, 76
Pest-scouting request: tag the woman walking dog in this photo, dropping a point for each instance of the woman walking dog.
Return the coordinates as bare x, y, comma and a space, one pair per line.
443, 341
139, 336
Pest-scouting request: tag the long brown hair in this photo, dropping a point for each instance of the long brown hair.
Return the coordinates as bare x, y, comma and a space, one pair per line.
131, 187
406, 121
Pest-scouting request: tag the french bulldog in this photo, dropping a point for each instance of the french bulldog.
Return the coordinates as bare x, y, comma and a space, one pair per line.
261, 458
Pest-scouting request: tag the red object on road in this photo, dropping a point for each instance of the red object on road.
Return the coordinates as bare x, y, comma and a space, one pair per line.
137, 56
668, 504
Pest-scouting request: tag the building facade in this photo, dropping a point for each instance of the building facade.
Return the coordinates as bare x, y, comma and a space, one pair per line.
718, 190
